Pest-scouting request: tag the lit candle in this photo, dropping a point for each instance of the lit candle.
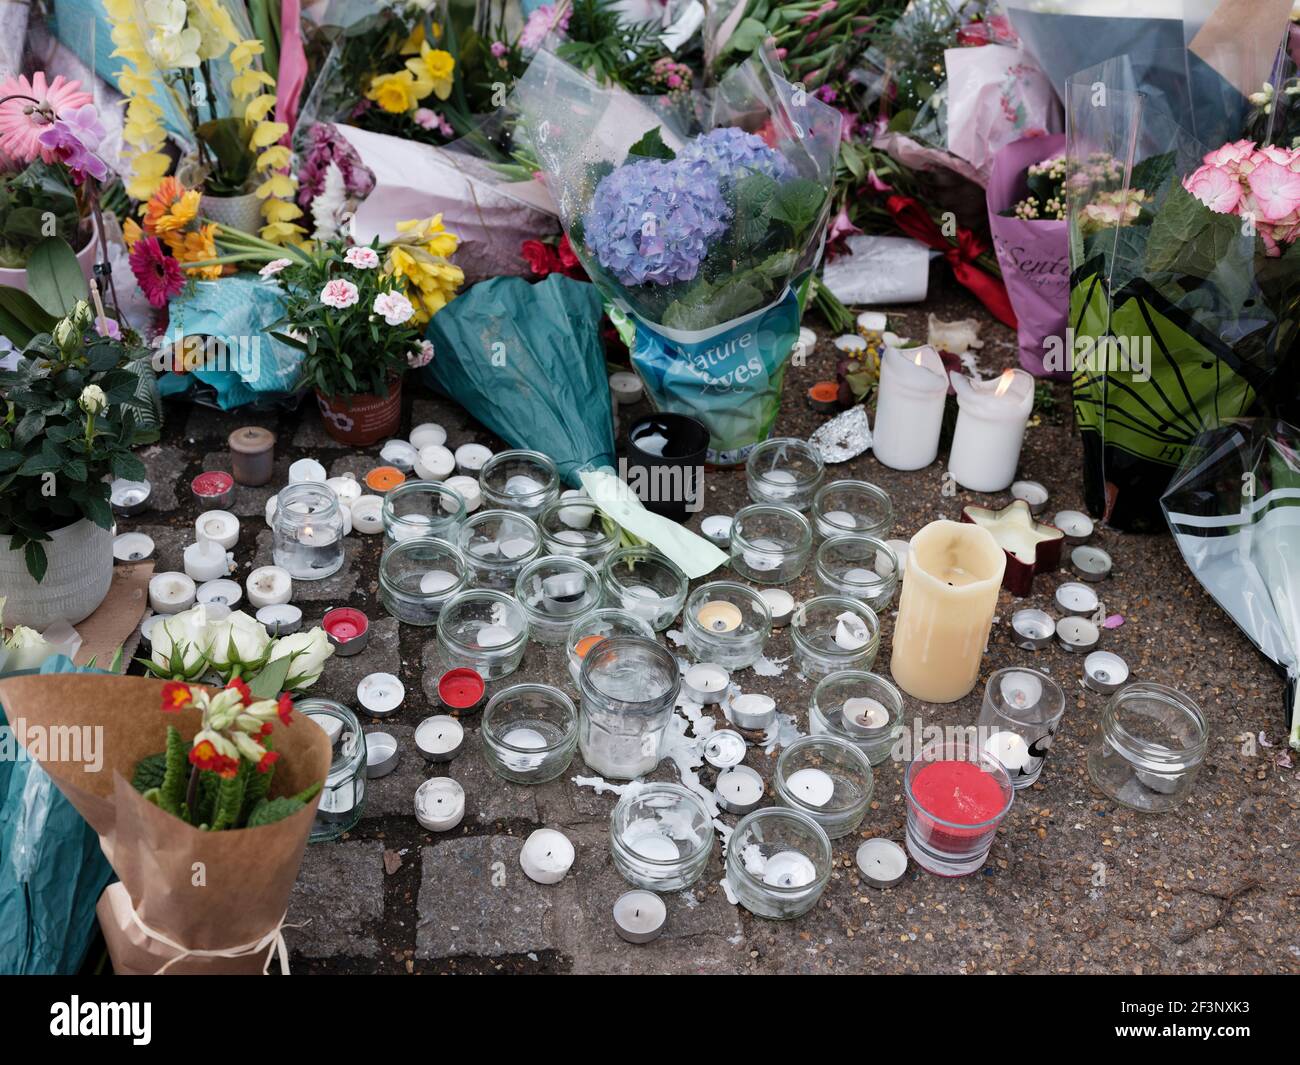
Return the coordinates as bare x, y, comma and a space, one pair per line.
991, 421
946, 610
811, 786
170, 593
268, 586
639, 916
546, 856
440, 804
219, 526
909, 407
439, 738
1009, 748
306, 470
206, 560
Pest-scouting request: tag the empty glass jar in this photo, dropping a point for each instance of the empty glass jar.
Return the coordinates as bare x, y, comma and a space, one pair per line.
628, 687
554, 591
770, 544
1151, 747
852, 507
828, 779
643, 582
784, 470
529, 733
416, 577
497, 545
307, 533
831, 633
862, 708
661, 837
575, 528
860, 567
485, 630
344, 792
727, 623
598, 625
420, 509
778, 862
519, 480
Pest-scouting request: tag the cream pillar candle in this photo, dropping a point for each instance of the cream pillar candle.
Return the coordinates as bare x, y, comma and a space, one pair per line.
946, 610
991, 422
909, 407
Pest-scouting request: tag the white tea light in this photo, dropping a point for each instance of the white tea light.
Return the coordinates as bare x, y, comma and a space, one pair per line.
439, 804
268, 586
132, 547
439, 738
437, 580
752, 711
220, 526
427, 434
811, 786
346, 489
329, 724
269, 510
864, 716
434, 463
400, 454
789, 869
468, 489
206, 560
1009, 748
470, 458
1077, 635
546, 856
1077, 600
280, 619
304, 470
626, 387
1021, 689
739, 789
851, 632
1076, 525
221, 592
639, 916
1033, 493
705, 682
1091, 563
1032, 629
381, 754
780, 603
170, 593
882, 862
368, 515
717, 528
380, 693
1105, 672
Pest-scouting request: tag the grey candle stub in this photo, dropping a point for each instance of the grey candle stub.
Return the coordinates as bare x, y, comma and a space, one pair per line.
1032, 630
1105, 672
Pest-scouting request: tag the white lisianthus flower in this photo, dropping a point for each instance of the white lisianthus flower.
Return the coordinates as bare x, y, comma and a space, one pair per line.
307, 652
237, 643
92, 399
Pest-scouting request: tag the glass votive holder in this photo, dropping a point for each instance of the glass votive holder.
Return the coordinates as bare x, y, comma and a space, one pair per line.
852, 508
778, 862
575, 528
519, 480
416, 577
1021, 712
661, 837
307, 534
859, 567
862, 708
596, 626
485, 630
554, 591
784, 470
646, 583
833, 632
957, 795
529, 733
344, 792
1151, 747
727, 623
628, 687
498, 544
419, 509
827, 778
770, 544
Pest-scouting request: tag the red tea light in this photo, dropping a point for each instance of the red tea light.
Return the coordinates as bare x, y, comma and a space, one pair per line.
461, 689
383, 479
214, 489
347, 628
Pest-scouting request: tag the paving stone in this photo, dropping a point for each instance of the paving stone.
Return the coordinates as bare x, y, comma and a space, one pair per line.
310, 436
169, 543
343, 672
394, 795
250, 500
461, 427
208, 424
333, 590
475, 899
165, 470
339, 901
488, 798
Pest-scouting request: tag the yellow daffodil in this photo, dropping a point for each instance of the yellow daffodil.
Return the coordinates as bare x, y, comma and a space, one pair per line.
397, 93
436, 67
411, 46
430, 234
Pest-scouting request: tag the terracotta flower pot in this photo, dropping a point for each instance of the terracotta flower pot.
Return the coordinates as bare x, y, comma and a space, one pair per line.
362, 420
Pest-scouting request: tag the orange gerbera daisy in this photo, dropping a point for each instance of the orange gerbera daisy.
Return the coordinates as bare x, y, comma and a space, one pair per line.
171, 207
196, 246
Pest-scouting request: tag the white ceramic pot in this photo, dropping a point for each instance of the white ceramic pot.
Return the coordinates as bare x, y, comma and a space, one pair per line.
76, 580
238, 212
11, 278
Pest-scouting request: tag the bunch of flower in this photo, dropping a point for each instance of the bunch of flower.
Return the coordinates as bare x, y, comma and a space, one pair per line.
1259, 185
1114, 209
325, 145
1046, 199
170, 49
543, 22
732, 154
545, 259
670, 77
170, 220
420, 257
431, 71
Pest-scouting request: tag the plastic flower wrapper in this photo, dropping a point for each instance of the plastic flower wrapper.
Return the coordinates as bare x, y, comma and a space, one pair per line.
1232, 509
701, 232
1185, 271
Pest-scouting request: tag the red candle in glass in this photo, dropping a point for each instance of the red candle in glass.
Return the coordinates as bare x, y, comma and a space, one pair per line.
954, 807
960, 793
460, 689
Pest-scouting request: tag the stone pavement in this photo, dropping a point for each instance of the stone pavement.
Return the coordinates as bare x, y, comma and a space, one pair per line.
1075, 883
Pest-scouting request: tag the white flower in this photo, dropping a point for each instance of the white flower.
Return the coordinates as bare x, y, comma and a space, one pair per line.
179, 644
274, 267
362, 258
27, 649
92, 399
421, 356
331, 207
236, 641
307, 652
339, 293
395, 307
172, 44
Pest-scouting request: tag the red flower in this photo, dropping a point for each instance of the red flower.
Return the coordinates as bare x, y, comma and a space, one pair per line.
284, 707
158, 274
176, 697
205, 756
269, 759
265, 730
542, 258
242, 688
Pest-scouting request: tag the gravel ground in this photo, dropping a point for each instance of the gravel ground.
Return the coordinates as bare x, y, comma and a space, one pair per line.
1075, 883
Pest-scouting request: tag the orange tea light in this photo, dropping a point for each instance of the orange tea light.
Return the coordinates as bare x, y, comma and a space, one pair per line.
384, 479
586, 644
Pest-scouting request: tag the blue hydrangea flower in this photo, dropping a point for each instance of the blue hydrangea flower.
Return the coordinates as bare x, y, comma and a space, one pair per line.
652, 222
731, 153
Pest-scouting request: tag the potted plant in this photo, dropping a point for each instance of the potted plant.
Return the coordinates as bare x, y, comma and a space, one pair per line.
74, 409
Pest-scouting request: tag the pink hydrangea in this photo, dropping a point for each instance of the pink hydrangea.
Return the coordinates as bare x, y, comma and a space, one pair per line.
339, 294
1215, 187
1259, 184
1276, 189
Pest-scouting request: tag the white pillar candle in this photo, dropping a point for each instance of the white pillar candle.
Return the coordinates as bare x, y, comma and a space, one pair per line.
439, 804
811, 786
426, 434
439, 738
306, 470
218, 525
909, 407
368, 515
206, 560
267, 586
434, 463
954, 573
991, 420
468, 489
170, 593
346, 488
639, 916
546, 856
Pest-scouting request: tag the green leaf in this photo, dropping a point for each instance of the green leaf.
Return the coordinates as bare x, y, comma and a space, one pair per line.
149, 772
54, 276
269, 683
128, 467
747, 36
269, 811
798, 203
22, 319
34, 556
651, 146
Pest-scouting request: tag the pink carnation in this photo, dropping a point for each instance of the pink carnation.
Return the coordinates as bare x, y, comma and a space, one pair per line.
362, 258
339, 294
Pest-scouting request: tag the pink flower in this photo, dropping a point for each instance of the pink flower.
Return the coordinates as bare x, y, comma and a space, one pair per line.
108, 327
1276, 189
421, 356
339, 294
427, 118
1215, 187
499, 49
157, 273
274, 267
395, 307
62, 142
22, 121
1236, 152
362, 258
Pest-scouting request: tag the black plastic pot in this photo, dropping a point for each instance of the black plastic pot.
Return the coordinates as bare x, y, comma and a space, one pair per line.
665, 463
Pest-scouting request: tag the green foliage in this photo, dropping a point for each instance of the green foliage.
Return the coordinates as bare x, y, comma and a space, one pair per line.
230, 798
599, 43
176, 773
271, 810
227, 141
651, 146
257, 787
54, 277
149, 772
29, 199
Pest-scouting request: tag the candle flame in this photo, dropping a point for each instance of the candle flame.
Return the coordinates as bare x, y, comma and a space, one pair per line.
1004, 382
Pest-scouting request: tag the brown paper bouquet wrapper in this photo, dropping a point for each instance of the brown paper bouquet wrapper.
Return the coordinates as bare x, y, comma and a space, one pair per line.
206, 891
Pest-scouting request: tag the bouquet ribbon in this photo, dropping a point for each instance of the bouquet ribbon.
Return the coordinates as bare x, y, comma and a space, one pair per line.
244, 950
915, 222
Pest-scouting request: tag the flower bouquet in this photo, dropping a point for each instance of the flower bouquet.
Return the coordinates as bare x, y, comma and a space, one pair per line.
203, 801
702, 237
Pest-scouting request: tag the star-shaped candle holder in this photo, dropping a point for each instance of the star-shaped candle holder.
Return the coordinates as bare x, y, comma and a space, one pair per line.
1031, 546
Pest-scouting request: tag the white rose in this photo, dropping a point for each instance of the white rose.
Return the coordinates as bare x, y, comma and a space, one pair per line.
308, 651
179, 644
236, 641
92, 399
27, 649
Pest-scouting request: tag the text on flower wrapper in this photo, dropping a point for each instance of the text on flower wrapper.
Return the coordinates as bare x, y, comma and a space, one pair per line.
703, 363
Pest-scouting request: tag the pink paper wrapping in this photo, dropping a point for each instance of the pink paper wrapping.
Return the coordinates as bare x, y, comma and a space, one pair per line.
1034, 255
293, 65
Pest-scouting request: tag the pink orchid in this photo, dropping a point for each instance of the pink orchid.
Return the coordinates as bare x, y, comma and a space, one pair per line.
1276, 189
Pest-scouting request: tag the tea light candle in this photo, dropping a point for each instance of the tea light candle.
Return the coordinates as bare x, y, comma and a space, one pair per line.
470, 459
717, 528
780, 603
739, 789
427, 434
1009, 748
811, 786
220, 526
280, 619
439, 804
468, 489
434, 463
724, 748
639, 916
789, 869
383, 479
205, 560
380, 693
1033, 493
1091, 563
546, 856
269, 510
851, 632
382, 754
864, 716
461, 689
1077, 635
329, 724
346, 489
252, 454
128, 498
221, 592
170, 593
872, 323
1077, 600
901, 549
991, 419
132, 547
626, 387
752, 711
368, 515
437, 580
400, 454
850, 343
1033, 629
307, 470
909, 407
268, 586
1105, 672
882, 862
439, 738
705, 682
148, 625
1076, 525
719, 616
214, 489
651, 843
347, 628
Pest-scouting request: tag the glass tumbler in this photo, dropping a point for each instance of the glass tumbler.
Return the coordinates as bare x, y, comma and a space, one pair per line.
525, 481
727, 623
661, 837
307, 534
778, 862
856, 508
498, 544
770, 544
784, 470
1021, 713
646, 583
419, 509
860, 567
344, 792
628, 687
